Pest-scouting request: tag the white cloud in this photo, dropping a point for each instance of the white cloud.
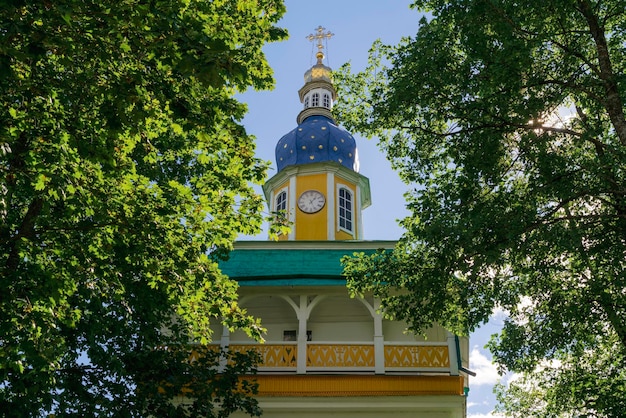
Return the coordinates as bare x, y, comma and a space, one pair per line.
487, 415
486, 371
510, 378
499, 314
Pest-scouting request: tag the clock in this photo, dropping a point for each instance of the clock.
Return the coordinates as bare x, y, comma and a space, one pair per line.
311, 201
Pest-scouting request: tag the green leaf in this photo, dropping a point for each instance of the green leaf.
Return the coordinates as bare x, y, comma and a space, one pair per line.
40, 184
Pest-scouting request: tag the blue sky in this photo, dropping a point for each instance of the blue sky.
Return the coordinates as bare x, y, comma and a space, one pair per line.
356, 24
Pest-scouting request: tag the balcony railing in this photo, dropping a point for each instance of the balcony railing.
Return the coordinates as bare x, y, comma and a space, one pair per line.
352, 357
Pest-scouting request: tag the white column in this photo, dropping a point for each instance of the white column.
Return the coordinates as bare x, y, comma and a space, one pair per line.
379, 340
359, 213
292, 207
454, 359
224, 343
330, 204
302, 337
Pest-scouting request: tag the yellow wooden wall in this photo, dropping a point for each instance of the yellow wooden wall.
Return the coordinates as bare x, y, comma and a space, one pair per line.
311, 226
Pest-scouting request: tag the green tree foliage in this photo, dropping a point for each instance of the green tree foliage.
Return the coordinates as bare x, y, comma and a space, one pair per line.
124, 170
508, 120
585, 383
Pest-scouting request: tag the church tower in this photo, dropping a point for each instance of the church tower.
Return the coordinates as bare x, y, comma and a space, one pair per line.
327, 352
318, 188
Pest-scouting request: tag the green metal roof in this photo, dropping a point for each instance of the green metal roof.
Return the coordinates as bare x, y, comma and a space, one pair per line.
293, 263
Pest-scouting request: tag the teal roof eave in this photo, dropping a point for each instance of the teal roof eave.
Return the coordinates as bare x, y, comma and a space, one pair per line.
291, 282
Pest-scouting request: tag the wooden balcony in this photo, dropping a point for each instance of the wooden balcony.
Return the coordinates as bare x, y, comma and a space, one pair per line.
353, 357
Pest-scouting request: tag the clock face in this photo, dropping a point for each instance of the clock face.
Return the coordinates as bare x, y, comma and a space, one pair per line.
311, 201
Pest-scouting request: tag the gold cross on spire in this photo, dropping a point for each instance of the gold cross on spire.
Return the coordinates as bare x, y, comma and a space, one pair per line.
318, 37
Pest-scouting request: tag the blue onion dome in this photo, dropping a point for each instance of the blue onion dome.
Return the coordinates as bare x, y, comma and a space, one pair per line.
317, 139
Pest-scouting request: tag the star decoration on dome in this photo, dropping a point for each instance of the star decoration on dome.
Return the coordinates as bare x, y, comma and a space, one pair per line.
317, 139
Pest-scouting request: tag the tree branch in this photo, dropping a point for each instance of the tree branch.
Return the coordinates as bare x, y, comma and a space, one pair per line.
612, 102
503, 125
26, 230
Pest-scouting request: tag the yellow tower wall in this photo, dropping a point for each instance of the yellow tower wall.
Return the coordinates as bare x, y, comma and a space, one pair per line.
311, 226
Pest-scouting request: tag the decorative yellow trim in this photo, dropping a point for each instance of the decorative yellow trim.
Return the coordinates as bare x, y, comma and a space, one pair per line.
356, 385
417, 356
273, 355
336, 355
